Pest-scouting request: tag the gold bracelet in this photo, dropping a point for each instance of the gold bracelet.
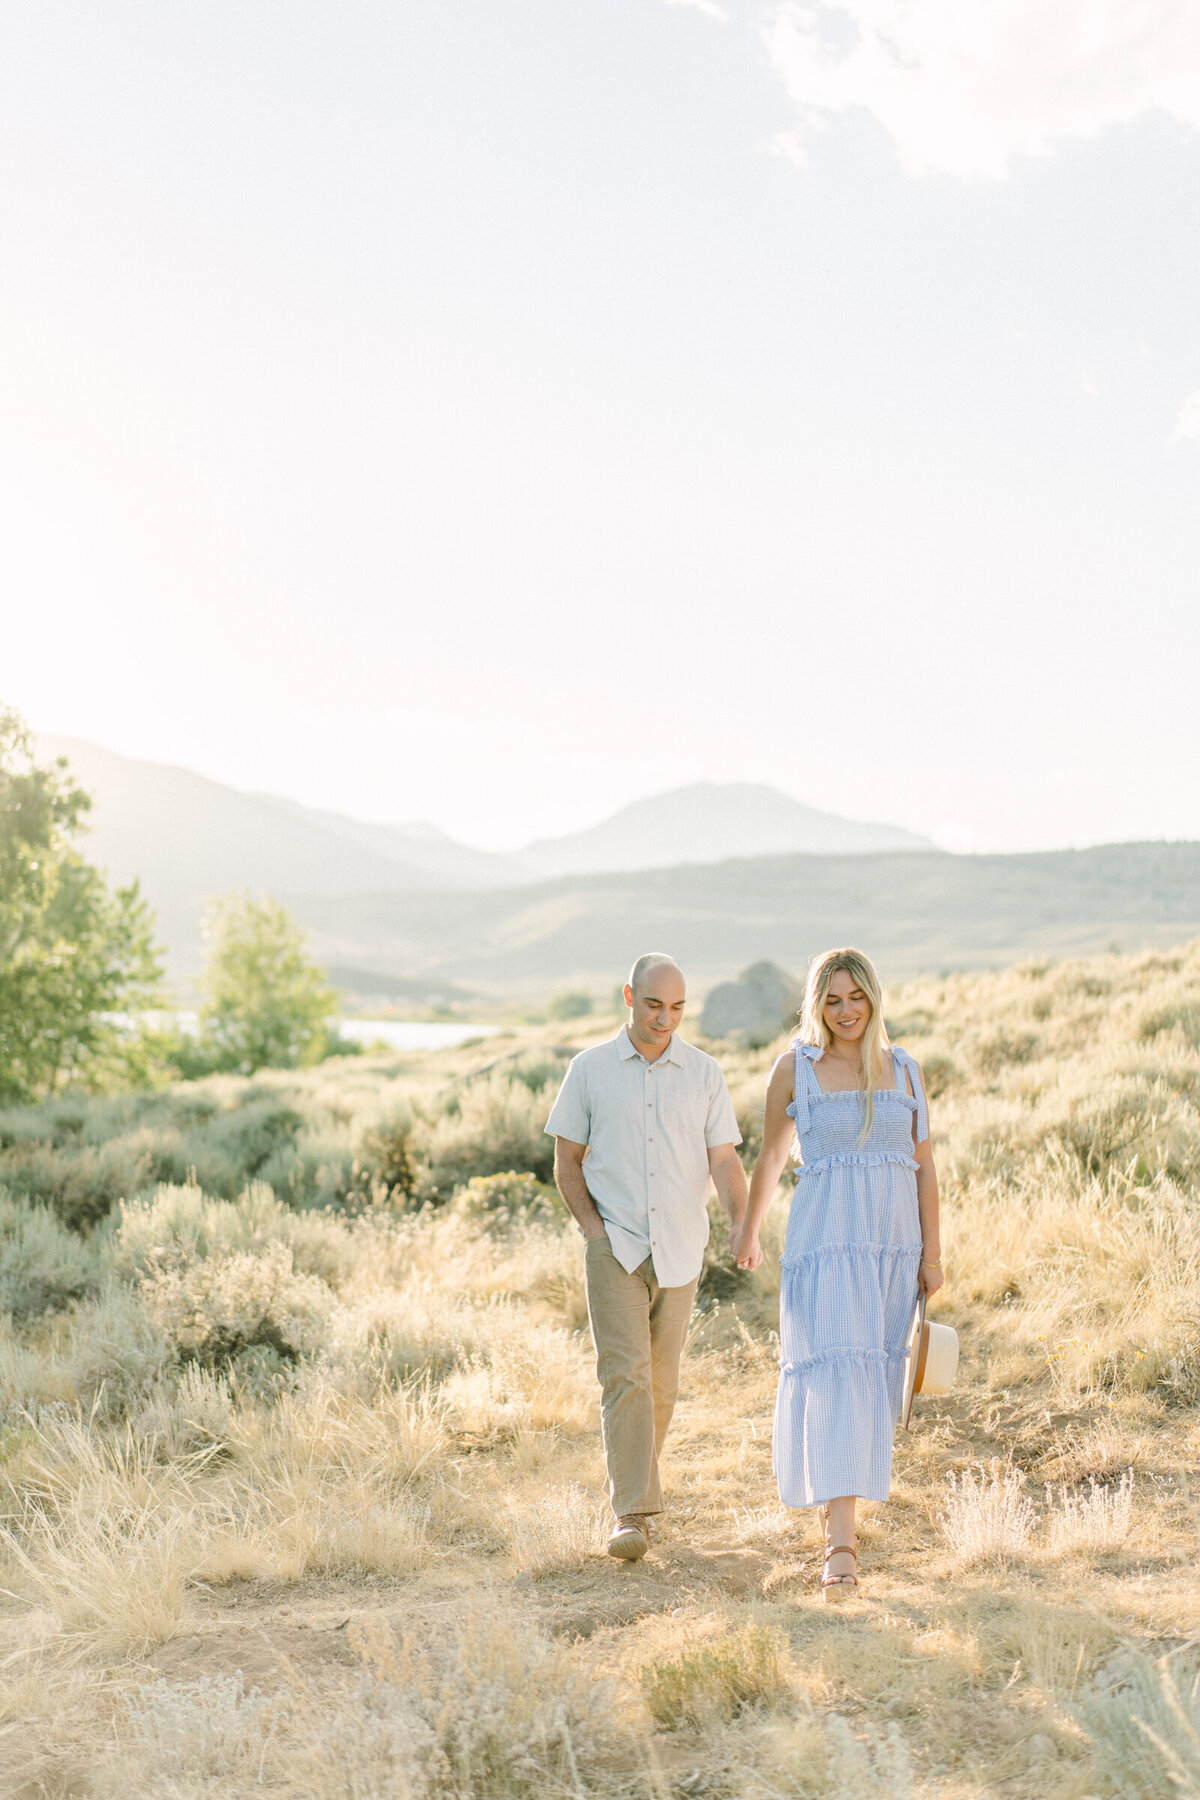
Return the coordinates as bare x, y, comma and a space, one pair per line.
926, 1264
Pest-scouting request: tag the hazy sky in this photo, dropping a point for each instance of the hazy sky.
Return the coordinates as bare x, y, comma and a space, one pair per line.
493, 410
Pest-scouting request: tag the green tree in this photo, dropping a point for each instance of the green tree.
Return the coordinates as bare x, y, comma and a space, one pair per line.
78, 964
267, 1005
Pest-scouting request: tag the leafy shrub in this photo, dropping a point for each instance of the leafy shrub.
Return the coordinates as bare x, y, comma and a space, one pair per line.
1177, 1015
539, 1070
258, 1130
749, 1104
114, 1352
213, 1310
798, 1756
917, 1023
58, 1121
387, 1155
940, 1072
878, 1769
493, 1125
747, 1667
183, 1224
43, 1266
501, 1201
220, 1278
1003, 1047
81, 1185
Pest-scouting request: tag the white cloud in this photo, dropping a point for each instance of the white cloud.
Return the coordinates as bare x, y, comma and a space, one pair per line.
964, 86
1187, 425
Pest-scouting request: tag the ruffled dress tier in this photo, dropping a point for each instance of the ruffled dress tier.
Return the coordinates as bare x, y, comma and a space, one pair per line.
849, 1286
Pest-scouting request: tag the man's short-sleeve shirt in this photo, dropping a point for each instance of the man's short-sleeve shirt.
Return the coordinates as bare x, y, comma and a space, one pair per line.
648, 1127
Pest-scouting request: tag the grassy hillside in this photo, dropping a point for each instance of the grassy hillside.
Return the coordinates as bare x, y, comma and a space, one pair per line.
919, 911
301, 1480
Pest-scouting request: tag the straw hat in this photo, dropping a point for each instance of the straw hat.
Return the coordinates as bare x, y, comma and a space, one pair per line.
931, 1357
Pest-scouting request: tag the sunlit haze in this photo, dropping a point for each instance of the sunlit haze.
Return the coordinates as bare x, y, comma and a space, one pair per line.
491, 414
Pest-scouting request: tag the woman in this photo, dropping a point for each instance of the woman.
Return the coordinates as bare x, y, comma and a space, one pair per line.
862, 1241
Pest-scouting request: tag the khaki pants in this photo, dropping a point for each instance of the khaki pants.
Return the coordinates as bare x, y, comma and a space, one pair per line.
638, 1329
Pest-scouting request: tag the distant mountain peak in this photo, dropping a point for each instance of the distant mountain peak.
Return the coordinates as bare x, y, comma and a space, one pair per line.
711, 821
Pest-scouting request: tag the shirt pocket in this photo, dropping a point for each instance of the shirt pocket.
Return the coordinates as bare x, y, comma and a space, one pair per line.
682, 1113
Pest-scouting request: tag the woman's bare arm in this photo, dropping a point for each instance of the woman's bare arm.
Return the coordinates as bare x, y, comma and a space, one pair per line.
776, 1143
929, 1276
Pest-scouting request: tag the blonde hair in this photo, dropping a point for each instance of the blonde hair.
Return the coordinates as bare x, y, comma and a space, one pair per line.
875, 1041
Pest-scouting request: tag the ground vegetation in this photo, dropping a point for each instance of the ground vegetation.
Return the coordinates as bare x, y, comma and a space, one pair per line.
300, 1479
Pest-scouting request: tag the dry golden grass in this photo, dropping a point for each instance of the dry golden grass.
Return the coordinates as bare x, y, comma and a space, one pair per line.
309, 1503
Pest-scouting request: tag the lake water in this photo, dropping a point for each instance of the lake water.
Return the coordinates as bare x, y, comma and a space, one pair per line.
413, 1034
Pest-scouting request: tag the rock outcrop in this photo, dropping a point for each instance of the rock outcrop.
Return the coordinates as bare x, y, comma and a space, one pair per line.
755, 1008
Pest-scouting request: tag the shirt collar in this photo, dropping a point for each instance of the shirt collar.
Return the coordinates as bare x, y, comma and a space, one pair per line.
627, 1048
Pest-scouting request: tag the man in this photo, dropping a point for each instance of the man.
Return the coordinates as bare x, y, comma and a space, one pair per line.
640, 1124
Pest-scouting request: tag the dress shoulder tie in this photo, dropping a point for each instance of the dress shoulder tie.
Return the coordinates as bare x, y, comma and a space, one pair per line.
908, 1065
805, 1083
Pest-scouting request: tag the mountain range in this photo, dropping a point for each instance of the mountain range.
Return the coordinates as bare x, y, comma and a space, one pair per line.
721, 875
188, 838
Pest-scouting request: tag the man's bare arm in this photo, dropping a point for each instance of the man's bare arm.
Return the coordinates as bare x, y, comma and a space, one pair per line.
729, 1179
568, 1179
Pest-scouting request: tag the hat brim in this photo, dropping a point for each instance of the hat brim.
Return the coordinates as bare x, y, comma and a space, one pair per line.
930, 1360
916, 1345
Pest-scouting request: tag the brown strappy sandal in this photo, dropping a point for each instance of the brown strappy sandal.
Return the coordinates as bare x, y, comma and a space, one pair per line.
835, 1587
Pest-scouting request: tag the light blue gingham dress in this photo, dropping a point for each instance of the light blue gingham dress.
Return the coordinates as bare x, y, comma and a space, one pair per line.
849, 1286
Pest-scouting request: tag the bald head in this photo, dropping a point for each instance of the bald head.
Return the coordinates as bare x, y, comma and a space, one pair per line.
648, 965
655, 995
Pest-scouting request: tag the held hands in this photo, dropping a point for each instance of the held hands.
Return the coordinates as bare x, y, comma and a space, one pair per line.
744, 1247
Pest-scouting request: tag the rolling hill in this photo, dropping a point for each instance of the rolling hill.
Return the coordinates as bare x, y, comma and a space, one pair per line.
914, 911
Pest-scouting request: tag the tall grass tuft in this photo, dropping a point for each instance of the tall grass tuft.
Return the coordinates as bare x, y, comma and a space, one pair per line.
499, 1715
1145, 1732
988, 1517
745, 1668
1094, 1521
560, 1531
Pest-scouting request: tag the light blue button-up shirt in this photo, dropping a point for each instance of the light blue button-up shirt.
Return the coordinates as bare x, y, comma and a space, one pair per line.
648, 1127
